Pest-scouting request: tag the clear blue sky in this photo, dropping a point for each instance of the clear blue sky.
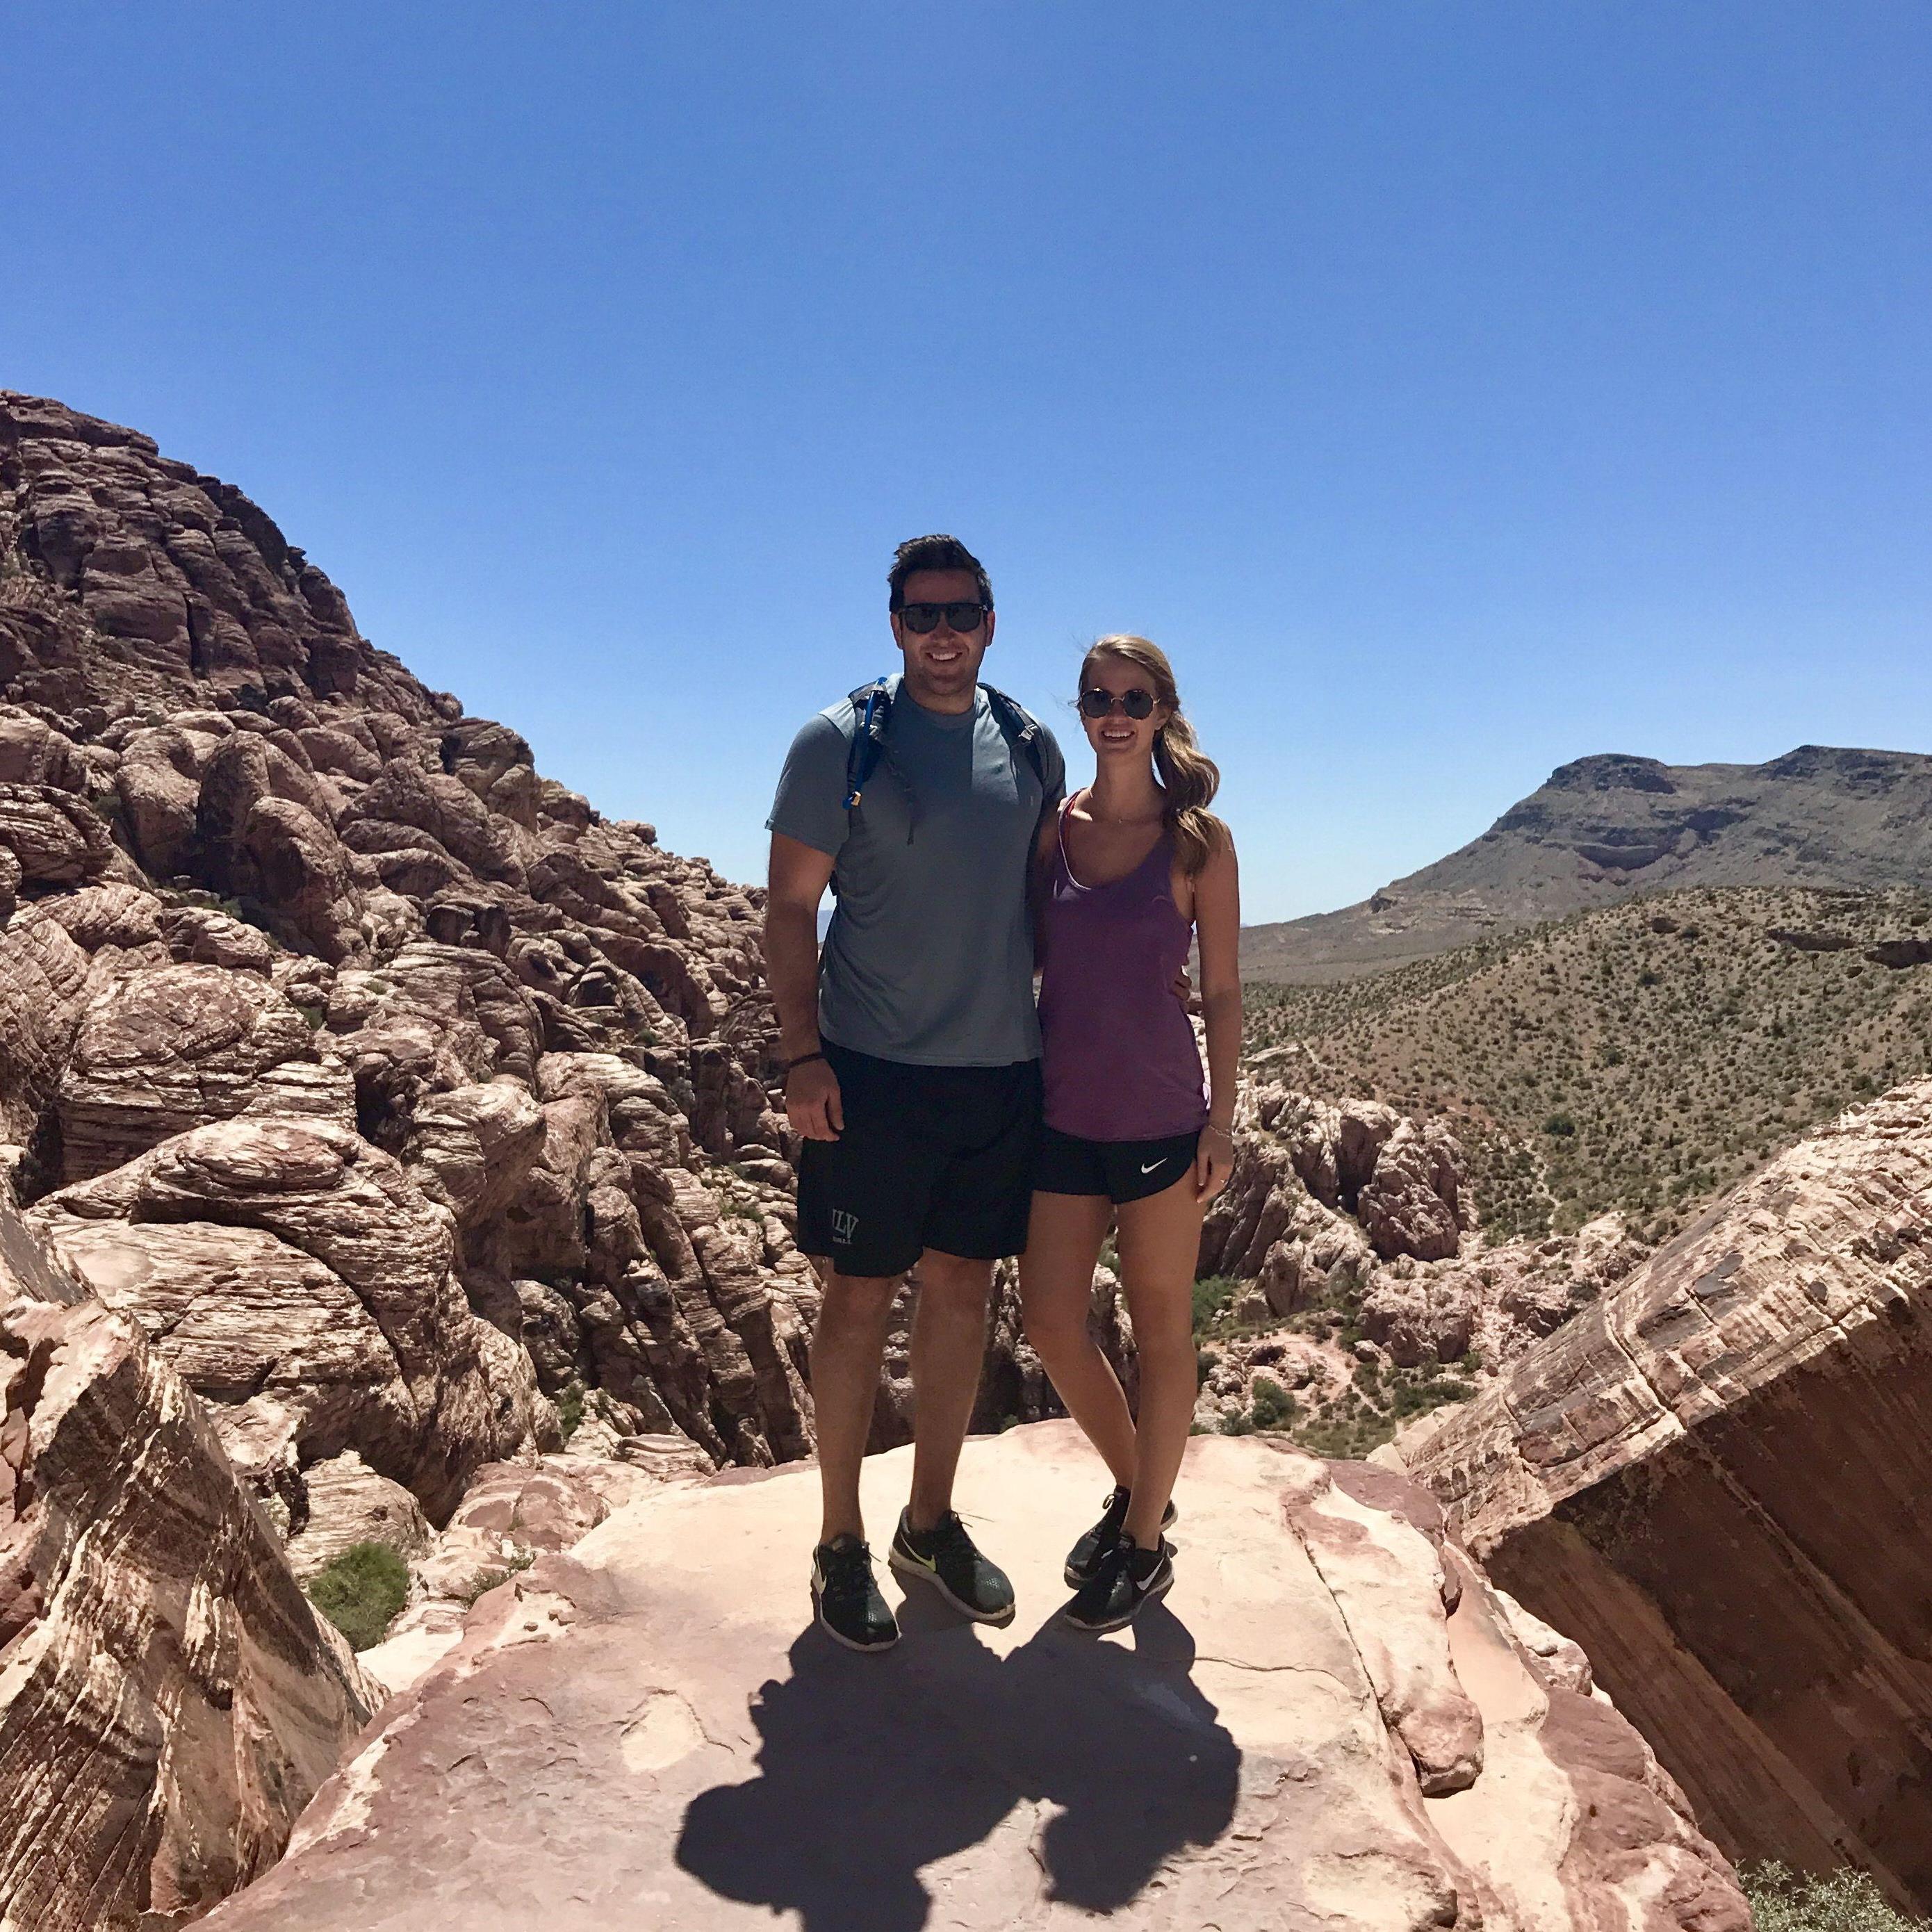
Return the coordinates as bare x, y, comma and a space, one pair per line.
1454, 388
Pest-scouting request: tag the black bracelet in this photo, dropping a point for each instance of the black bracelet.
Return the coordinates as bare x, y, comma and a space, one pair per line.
802, 1059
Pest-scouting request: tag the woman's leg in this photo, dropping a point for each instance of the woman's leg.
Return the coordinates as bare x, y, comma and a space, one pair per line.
1056, 1290
1160, 1240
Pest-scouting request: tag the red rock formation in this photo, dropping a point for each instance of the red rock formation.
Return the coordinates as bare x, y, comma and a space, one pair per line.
1713, 1478
1333, 1721
169, 1701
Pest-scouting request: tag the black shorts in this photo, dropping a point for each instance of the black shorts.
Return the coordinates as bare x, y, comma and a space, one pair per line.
1121, 1170
931, 1157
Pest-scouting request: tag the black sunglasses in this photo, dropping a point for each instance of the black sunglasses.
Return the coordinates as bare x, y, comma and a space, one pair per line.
964, 618
1136, 704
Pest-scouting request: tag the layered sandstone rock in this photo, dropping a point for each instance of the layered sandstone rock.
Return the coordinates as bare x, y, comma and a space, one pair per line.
258, 874
169, 1701
1332, 1721
1713, 1478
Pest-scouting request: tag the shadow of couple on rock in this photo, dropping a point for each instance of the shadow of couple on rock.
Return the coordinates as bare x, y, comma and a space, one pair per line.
873, 1768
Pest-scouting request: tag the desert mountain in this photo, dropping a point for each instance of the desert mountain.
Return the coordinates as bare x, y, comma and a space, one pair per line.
1639, 1058
1603, 828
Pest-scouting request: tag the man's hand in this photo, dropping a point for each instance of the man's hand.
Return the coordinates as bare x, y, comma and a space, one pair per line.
813, 1103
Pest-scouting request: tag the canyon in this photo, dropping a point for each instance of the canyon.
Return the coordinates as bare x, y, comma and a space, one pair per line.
390, 1153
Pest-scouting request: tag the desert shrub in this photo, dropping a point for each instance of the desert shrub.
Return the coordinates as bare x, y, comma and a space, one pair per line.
360, 1590
1213, 1295
570, 1408
483, 1581
1782, 1900
1274, 1407
1238, 1422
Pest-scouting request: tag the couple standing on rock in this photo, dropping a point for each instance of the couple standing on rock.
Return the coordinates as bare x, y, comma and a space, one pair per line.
947, 1122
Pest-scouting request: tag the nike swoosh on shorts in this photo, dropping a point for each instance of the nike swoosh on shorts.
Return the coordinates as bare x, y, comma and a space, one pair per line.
1152, 1165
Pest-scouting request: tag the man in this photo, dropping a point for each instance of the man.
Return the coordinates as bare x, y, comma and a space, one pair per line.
912, 1055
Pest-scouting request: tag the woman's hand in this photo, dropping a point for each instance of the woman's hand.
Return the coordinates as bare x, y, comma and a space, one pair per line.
1214, 1162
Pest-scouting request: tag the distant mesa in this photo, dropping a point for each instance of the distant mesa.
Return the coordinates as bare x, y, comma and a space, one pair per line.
1602, 828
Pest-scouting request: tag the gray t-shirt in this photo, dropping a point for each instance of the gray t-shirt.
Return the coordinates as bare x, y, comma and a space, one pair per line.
929, 958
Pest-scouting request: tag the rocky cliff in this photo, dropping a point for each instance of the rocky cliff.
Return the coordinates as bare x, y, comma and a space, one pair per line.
393, 1090
1602, 828
1332, 1722
169, 1701
1714, 1480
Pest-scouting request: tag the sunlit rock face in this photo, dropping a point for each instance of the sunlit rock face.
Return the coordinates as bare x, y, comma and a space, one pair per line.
1714, 1479
1332, 1720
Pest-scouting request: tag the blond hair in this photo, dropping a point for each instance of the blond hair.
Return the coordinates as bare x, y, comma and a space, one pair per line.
1188, 776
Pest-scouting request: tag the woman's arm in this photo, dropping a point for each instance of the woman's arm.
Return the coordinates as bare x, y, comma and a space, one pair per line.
1217, 931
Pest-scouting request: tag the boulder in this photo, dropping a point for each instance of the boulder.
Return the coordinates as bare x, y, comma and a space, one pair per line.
170, 1702
1713, 1478
162, 1050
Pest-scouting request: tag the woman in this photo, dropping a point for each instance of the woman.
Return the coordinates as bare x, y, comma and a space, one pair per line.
1130, 869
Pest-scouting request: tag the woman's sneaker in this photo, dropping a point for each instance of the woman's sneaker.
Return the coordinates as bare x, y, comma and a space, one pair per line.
1128, 1577
846, 1599
945, 1557
1083, 1560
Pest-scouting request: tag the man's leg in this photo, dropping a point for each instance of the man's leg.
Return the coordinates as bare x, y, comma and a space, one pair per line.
847, 1347
949, 1341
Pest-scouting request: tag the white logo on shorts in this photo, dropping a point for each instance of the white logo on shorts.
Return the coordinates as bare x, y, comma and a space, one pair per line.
845, 1225
1152, 1165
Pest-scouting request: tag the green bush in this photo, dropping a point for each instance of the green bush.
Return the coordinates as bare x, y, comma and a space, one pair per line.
569, 1408
1212, 1295
482, 1581
1782, 1900
1273, 1406
361, 1591
1240, 1422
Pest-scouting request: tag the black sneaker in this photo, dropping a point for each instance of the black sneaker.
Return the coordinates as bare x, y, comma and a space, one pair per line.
845, 1599
1128, 1577
1083, 1560
945, 1557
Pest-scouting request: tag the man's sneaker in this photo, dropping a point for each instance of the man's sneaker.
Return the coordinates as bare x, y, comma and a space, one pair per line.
845, 1599
945, 1557
1128, 1577
1083, 1560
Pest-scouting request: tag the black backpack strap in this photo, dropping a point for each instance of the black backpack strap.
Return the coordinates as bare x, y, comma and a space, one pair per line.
1022, 729
871, 706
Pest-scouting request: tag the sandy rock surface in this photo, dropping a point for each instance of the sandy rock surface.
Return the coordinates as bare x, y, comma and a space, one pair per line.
645, 1731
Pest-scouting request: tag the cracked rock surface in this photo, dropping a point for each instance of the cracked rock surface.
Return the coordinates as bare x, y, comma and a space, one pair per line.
1332, 1722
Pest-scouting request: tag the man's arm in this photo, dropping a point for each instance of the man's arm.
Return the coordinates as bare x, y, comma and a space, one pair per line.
798, 878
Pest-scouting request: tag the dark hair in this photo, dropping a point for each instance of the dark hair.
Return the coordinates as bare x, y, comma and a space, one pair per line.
933, 552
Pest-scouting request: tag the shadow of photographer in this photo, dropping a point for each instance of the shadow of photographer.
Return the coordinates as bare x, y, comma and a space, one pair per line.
873, 1768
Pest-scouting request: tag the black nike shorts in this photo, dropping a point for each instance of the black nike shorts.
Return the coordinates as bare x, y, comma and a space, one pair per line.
931, 1157
1121, 1170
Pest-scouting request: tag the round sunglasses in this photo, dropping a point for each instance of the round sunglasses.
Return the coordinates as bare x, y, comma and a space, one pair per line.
1136, 704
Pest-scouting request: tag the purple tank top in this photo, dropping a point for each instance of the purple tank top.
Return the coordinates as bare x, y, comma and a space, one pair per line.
1120, 1060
